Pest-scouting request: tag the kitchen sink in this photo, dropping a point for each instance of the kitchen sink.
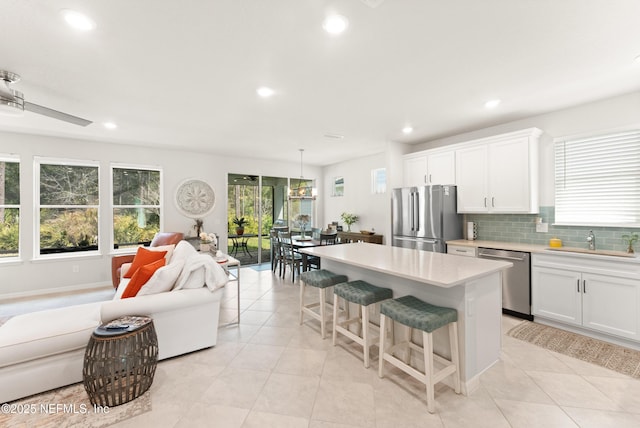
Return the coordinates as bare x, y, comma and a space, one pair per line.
594, 252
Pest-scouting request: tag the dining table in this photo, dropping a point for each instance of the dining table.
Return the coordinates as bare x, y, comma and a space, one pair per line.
299, 242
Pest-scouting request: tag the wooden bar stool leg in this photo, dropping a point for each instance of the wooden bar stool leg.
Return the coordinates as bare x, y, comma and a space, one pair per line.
323, 312
335, 319
428, 368
365, 334
302, 288
383, 339
408, 332
455, 356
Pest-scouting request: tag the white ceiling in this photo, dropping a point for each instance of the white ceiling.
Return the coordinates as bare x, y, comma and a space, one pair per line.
184, 73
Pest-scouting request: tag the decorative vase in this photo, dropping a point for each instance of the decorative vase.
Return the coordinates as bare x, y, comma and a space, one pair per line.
240, 231
205, 248
349, 228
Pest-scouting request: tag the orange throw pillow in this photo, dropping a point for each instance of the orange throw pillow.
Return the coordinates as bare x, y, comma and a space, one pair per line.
143, 257
141, 277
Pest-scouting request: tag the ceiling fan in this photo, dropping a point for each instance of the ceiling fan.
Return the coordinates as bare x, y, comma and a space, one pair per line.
12, 102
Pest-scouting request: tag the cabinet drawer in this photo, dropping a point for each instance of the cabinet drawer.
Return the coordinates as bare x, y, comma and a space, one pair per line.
459, 250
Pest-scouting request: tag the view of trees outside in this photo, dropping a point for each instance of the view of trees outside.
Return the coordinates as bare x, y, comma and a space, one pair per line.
136, 206
244, 202
9, 208
269, 203
69, 200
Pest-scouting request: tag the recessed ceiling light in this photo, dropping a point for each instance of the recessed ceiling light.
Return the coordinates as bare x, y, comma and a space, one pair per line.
110, 125
335, 24
407, 130
265, 92
492, 103
78, 20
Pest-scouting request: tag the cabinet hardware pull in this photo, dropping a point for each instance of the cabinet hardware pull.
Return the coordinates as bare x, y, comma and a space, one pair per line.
485, 202
493, 201
578, 284
584, 286
430, 180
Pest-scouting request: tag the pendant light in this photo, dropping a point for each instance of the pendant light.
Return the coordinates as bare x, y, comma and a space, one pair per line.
302, 192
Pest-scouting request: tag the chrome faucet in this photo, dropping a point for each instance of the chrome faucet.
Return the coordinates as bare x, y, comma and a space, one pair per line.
591, 239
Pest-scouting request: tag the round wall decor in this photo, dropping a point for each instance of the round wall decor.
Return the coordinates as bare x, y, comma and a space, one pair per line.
195, 198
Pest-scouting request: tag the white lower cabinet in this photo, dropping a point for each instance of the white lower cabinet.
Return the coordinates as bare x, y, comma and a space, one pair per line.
555, 294
610, 305
598, 295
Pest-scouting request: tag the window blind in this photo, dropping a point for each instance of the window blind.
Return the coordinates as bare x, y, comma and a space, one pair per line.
598, 180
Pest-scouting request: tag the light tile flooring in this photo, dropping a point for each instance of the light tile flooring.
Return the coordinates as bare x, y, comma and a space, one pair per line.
271, 372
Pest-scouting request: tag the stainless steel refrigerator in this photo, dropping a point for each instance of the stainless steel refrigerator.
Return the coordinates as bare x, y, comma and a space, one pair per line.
425, 217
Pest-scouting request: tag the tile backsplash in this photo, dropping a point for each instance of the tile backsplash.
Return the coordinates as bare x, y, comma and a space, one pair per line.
522, 228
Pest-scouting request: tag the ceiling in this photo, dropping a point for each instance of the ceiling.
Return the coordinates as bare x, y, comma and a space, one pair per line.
185, 74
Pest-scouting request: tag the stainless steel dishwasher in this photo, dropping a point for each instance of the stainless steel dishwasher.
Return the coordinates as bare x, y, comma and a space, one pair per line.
516, 281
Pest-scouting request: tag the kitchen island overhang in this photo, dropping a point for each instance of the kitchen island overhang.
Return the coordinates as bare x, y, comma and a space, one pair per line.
472, 286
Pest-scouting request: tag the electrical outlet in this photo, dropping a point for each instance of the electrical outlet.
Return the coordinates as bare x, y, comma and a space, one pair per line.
542, 227
75, 268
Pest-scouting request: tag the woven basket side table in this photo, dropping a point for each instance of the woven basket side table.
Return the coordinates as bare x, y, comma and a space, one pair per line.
120, 361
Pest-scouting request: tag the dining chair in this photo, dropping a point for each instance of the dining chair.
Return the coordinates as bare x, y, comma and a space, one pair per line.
276, 252
290, 257
328, 238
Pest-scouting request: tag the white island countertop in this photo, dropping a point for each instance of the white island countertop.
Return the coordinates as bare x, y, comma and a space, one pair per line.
442, 270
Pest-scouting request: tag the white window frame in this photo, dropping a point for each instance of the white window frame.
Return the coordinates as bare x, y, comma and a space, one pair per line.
113, 206
376, 187
14, 159
37, 162
598, 182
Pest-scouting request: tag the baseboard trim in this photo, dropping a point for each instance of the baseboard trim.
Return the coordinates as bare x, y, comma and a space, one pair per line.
52, 291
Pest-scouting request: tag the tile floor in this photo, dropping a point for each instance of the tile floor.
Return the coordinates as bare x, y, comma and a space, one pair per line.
271, 372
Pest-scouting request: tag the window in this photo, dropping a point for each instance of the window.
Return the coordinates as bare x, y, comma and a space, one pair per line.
9, 207
378, 180
67, 206
598, 180
338, 186
136, 205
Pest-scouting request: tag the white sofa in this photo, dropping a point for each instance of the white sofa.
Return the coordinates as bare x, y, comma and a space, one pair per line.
44, 350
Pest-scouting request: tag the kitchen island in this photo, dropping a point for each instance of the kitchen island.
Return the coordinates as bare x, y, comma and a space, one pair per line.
472, 286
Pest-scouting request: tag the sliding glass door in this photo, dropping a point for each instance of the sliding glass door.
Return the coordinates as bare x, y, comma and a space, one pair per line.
262, 203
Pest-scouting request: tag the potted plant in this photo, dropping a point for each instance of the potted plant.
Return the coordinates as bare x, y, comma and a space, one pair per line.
240, 222
349, 219
629, 240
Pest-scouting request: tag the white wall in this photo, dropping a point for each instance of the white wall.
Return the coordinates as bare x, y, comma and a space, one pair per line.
372, 209
32, 277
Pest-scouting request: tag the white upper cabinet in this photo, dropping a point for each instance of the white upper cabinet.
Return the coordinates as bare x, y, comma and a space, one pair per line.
429, 167
415, 170
499, 174
441, 167
471, 176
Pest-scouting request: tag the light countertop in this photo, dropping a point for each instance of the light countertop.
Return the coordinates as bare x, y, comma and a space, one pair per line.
513, 246
545, 249
443, 270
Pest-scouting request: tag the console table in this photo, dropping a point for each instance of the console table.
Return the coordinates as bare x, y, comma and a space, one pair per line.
359, 237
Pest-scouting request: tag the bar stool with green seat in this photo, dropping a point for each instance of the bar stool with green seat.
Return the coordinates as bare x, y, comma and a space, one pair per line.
321, 279
416, 314
362, 294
